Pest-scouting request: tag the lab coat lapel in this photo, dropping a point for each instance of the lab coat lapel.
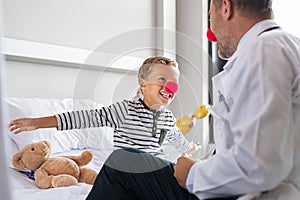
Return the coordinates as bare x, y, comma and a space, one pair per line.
220, 81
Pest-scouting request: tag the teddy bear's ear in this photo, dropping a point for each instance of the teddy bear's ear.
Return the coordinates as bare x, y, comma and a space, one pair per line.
48, 144
17, 160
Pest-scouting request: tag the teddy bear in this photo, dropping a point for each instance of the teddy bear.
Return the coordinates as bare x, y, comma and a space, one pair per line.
51, 172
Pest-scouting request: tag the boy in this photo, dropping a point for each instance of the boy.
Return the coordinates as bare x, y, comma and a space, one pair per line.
142, 124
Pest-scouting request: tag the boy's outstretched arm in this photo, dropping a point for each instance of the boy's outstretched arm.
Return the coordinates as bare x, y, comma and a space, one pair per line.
28, 124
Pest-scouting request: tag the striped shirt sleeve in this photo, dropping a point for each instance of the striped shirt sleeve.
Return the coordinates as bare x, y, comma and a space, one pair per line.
111, 116
177, 139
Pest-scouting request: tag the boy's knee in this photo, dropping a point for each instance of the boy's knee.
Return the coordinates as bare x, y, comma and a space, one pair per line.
125, 152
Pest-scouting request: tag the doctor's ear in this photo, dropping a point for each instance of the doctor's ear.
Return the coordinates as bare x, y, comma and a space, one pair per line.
227, 9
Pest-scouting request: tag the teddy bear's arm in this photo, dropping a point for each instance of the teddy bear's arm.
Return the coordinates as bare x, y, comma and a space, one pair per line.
83, 159
87, 176
17, 160
42, 179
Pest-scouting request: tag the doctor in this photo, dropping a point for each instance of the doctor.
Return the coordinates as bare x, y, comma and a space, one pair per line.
257, 125
258, 133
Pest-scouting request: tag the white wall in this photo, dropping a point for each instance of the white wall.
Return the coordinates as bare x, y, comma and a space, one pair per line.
4, 181
84, 25
75, 23
286, 14
191, 45
45, 81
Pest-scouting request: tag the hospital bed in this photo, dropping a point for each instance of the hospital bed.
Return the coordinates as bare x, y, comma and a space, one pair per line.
71, 142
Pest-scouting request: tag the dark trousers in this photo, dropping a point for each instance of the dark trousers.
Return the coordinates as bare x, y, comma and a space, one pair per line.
130, 174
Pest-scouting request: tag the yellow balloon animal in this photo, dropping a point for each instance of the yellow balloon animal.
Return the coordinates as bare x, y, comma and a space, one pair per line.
185, 123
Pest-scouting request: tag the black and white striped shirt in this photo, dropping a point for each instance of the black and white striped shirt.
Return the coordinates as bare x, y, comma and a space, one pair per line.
135, 125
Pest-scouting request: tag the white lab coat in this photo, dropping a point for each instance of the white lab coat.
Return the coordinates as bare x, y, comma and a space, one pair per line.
258, 135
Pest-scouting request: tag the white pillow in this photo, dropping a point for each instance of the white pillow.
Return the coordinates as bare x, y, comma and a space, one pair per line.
61, 141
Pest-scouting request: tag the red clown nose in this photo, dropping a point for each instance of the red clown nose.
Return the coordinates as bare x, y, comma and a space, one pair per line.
171, 87
211, 36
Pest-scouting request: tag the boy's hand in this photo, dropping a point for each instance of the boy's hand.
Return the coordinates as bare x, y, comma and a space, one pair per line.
28, 124
23, 124
194, 148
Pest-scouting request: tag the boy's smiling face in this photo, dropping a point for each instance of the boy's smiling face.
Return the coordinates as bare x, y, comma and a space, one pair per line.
153, 87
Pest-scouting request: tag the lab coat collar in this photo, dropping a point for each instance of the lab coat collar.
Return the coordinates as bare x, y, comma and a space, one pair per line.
249, 37
256, 30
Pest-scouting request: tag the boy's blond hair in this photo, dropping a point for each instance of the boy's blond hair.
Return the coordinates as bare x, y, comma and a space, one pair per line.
148, 64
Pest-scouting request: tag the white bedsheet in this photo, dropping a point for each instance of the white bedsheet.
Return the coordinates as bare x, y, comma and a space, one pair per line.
24, 188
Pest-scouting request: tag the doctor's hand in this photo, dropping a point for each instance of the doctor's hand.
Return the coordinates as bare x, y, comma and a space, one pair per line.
182, 169
28, 124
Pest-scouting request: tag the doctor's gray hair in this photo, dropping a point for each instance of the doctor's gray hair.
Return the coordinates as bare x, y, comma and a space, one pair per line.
251, 8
